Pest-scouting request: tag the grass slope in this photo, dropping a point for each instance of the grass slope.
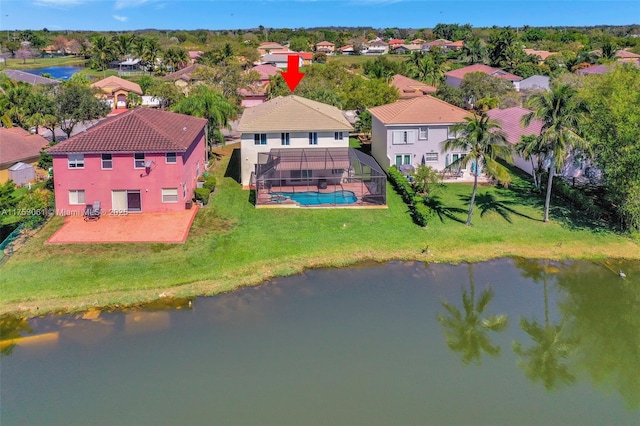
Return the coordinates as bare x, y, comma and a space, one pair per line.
232, 244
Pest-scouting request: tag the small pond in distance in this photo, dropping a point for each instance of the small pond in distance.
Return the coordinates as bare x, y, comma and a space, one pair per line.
501, 342
62, 73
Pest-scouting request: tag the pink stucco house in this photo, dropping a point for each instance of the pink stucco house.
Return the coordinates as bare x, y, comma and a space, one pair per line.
143, 160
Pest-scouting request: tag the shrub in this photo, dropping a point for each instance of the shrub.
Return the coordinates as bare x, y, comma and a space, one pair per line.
210, 184
202, 194
420, 213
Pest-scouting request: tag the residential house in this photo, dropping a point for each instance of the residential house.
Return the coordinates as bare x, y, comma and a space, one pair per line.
418, 41
624, 56
194, 55
394, 43
25, 77
271, 47
17, 145
143, 160
541, 54
454, 78
257, 94
185, 77
116, 89
405, 49
377, 47
535, 82
510, 121
444, 44
454, 45
287, 123
326, 47
594, 69
410, 132
281, 61
346, 50
307, 57
410, 88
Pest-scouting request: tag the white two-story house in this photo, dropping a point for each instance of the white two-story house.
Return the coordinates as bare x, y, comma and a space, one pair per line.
290, 123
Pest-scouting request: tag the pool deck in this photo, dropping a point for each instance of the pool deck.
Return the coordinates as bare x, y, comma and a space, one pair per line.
264, 199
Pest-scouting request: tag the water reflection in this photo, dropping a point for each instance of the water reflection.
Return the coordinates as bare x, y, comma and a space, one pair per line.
468, 332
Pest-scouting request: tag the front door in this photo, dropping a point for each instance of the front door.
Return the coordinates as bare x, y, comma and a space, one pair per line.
134, 201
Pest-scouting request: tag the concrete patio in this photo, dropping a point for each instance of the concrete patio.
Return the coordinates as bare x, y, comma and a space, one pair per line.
130, 228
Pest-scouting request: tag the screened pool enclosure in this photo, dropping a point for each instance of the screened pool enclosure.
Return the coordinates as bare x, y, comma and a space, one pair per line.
320, 177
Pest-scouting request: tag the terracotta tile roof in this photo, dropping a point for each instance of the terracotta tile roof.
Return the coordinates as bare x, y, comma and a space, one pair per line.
496, 72
292, 114
138, 130
420, 110
509, 119
195, 54
626, 54
113, 83
542, 54
270, 45
396, 41
438, 42
184, 73
17, 144
307, 56
26, 77
325, 43
347, 47
409, 87
266, 71
594, 69
457, 44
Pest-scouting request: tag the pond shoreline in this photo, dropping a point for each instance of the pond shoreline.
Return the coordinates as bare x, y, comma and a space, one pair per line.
139, 298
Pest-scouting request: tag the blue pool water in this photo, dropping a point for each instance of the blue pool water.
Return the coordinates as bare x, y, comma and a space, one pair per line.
63, 73
314, 198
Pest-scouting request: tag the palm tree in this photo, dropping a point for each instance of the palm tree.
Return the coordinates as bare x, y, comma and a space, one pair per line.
530, 148
542, 361
483, 141
206, 103
467, 331
150, 52
561, 112
102, 52
474, 51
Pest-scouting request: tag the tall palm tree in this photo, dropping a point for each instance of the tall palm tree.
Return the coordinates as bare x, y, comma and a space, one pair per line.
467, 332
150, 52
474, 51
531, 148
561, 112
102, 52
483, 141
542, 361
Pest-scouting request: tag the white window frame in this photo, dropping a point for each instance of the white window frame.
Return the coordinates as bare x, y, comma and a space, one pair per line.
450, 133
103, 161
77, 197
260, 139
423, 133
168, 194
285, 139
313, 138
75, 161
337, 136
136, 160
404, 140
175, 158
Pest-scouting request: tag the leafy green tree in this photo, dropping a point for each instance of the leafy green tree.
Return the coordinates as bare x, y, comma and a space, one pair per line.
75, 104
475, 52
452, 32
500, 42
467, 331
452, 95
175, 57
363, 123
561, 113
320, 57
483, 141
612, 125
206, 103
101, 52
167, 94
7, 195
478, 85
427, 179
299, 44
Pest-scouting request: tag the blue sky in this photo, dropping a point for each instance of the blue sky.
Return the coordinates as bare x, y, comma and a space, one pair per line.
120, 15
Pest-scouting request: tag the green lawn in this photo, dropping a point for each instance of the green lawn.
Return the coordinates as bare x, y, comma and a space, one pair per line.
232, 244
61, 61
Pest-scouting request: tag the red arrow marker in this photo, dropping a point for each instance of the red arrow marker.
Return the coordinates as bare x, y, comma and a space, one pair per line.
292, 76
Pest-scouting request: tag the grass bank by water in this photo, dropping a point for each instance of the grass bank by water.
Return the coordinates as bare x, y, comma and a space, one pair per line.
60, 61
232, 244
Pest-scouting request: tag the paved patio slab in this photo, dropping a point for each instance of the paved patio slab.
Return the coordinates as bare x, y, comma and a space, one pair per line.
132, 228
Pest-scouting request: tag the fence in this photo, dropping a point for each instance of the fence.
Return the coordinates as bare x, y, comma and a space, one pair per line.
6, 246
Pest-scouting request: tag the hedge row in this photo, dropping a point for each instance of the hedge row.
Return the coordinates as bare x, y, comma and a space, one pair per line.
577, 199
420, 213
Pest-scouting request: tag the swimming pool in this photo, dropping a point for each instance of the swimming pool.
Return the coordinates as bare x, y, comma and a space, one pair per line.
314, 198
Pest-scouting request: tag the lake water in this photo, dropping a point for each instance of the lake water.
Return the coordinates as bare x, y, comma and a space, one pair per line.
542, 343
62, 73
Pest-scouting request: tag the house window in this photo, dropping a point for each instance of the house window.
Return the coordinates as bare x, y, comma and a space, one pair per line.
76, 161
138, 160
260, 139
76, 196
337, 136
169, 195
313, 138
284, 139
171, 158
451, 134
402, 137
423, 133
301, 174
107, 161
403, 159
431, 157
336, 171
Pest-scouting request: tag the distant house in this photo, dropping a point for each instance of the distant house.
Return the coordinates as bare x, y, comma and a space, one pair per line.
326, 47
257, 94
280, 61
143, 160
194, 55
541, 54
509, 120
346, 50
405, 49
594, 69
410, 88
17, 145
535, 82
395, 42
418, 41
271, 47
185, 77
454, 78
444, 44
116, 89
625, 56
410, 132
25, 77
377, 47
307, 57
287, 123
